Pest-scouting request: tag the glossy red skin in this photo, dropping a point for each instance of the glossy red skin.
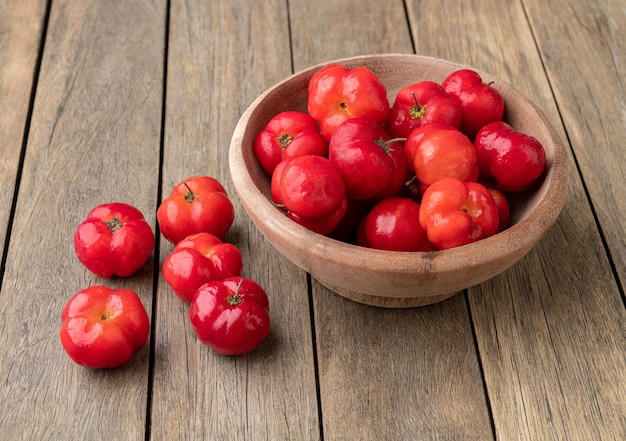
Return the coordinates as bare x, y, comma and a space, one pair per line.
419, 104
114, 240
416, 136
393, 224
413, 187
198, 259
287, 134
456, 213
481, 103
442, 153
231, 316
275, 183
369, 169
324, 224
504, 209
104, 328
311, 191
512, 159
337, 93
198, 204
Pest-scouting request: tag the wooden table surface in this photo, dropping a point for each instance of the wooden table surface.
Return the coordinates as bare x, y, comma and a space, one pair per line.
118, 100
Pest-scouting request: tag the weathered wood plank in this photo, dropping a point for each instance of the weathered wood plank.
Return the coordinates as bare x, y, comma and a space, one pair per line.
222, 54
322, 31
21, 25
94, 138
592, 100
550, 332
539, 324
386, 374
398, 374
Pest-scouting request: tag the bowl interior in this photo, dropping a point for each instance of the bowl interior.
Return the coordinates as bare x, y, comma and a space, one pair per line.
394, 278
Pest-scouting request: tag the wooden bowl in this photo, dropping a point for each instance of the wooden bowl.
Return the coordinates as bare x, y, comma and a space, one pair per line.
389, 278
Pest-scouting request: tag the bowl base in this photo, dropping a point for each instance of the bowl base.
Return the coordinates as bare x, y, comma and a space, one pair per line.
385, 301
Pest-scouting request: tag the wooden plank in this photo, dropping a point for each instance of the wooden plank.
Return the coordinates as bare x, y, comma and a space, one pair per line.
324, 30
386, 374
398, 374
21, 24
222, 54
592, 100
539, 324
94, 138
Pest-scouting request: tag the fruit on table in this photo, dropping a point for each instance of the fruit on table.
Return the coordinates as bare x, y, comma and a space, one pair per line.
197, 259
231, 316
197, 204
104, 327
113, 240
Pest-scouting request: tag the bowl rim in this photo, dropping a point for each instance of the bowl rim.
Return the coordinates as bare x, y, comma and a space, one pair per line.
518, 239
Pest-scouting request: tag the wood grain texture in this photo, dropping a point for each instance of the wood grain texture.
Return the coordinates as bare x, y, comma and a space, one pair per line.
537, 353
592, 99
326, 30
94, 138
397, 375
21, 24
544, 310
222, 54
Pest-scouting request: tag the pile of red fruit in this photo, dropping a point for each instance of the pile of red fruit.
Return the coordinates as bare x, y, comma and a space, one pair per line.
432, 171
104, 327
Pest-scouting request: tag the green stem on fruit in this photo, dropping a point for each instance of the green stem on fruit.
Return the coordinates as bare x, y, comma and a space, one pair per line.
284, 140
417, 111
411, 181
234, 298
189, 196
114, 224
392, 140
380, 142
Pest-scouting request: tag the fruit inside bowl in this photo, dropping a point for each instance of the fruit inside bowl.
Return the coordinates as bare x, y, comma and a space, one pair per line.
398, 278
